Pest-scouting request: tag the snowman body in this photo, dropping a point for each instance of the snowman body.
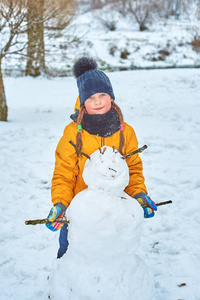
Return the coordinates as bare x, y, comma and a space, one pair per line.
104, 233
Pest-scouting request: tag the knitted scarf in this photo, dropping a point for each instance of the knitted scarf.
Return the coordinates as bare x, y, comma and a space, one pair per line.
103, 125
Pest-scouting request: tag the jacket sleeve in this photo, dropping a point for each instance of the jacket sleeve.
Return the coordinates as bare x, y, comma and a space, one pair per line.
136, 180
66, 168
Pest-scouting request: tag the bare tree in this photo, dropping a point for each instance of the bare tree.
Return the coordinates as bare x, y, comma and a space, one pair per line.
19, 17
45, 18
174, 7
12, 25
142, 10
194, 17
35, 31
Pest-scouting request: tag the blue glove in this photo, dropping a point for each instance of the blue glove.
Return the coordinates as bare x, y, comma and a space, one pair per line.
55, 212
148, 205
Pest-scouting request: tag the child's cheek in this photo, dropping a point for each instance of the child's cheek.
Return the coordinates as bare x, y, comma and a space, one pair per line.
89, 108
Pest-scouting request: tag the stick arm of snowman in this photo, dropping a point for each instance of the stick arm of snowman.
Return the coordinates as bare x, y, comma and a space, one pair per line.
65, 221
134, 152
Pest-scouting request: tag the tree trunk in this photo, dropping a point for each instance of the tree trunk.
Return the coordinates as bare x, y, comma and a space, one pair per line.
3, 105
35, 30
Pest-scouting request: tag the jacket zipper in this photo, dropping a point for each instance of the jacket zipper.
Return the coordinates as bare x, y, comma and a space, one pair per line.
102, 141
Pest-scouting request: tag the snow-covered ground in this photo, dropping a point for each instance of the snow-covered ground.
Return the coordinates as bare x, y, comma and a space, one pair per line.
163, 106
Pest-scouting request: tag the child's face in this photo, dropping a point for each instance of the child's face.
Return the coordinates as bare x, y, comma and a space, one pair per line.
99, 103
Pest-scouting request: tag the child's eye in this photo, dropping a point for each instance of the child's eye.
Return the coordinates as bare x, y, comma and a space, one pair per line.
103, 94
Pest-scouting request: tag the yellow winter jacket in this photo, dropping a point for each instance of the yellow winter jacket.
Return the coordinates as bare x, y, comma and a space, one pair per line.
67, 178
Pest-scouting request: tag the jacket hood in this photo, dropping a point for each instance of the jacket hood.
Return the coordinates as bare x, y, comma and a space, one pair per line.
76, 110
77, 104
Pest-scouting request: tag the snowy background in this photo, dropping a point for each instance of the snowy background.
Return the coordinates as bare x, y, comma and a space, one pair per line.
163, 106
166, 44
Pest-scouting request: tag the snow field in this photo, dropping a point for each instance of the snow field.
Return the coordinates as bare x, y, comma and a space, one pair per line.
163, 107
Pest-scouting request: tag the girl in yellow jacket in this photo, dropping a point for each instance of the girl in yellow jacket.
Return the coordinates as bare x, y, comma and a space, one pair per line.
98, 122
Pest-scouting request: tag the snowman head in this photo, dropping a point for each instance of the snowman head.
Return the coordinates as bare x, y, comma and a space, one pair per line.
106, 170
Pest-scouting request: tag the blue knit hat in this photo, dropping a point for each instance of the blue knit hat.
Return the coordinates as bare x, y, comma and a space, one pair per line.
90, 80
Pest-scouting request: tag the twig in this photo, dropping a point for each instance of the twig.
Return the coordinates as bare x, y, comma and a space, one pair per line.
182, 284
45, 221
159, 204
78, 151
163, 203
134, 152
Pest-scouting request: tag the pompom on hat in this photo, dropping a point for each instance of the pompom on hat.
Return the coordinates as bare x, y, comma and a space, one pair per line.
90, 80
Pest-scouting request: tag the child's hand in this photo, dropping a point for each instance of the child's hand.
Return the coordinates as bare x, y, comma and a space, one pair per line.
55, 212
151, 206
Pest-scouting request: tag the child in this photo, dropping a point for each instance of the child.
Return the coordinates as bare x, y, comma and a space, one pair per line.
97, 122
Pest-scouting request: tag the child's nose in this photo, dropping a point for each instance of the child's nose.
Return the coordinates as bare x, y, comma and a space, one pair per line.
97, 100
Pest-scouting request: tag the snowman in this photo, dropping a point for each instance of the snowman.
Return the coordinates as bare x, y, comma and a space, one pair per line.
104, 233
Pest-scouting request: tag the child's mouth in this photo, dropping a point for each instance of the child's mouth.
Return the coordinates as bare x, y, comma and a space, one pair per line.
99, 108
